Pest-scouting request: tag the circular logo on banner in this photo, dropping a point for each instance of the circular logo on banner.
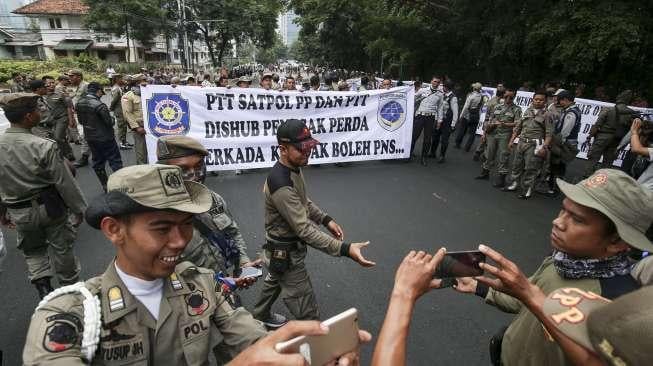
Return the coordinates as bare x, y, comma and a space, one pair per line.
392, 111
168, 114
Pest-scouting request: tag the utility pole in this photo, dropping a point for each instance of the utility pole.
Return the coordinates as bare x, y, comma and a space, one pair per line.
183, 16
180, 37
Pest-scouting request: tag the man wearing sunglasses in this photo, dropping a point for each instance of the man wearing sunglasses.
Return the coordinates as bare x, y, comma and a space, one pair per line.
291, 224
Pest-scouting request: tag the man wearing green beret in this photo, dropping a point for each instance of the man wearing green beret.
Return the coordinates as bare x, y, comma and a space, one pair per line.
39, 193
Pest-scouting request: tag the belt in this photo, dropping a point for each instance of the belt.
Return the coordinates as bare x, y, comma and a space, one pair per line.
292, 239
426, 114
24, 204
530, 140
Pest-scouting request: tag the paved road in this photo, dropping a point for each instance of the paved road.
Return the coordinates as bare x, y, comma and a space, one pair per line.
398, 207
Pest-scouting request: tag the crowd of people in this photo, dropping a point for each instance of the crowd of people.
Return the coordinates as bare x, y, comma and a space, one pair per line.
167, 297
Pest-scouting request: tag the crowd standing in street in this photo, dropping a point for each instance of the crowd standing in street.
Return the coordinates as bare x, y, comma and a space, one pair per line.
171, 287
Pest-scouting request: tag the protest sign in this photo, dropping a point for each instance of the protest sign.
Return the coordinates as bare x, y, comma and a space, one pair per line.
238, 125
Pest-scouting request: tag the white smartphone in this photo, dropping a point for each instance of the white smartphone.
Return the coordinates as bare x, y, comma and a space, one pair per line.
319, 350
247, 272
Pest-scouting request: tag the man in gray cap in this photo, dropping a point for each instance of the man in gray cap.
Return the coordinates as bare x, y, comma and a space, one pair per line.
601, 220
98, 131
266, 81
39, 193
244, 82
115, 106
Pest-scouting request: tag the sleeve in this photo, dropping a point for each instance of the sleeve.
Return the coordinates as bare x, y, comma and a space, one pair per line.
238, 327
454, 109
54, 335
548, 125
466, 106
567, 125
104, 114
509, 304
115, 99
650, 153
234, 233
503, 302
440, 109
601, 119
316, 214
518, 114
287, 202
518, 127
128, 112
64, 182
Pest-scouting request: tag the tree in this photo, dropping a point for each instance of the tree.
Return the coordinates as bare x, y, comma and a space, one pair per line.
220, 22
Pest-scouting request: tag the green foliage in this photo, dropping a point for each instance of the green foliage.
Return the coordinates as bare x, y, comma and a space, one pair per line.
90, 66
596, 42
272, 54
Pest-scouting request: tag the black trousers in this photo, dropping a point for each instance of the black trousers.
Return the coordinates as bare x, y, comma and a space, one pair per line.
105, 152
440, 138
426, 123
467, 127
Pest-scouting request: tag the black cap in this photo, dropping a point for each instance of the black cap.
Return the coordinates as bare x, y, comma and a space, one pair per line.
294, 131
565, 94
93, 87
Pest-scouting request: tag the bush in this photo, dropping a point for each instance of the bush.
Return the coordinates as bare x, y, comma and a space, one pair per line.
54, 68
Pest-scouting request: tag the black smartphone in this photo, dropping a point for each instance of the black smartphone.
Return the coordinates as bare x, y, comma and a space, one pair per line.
460, 264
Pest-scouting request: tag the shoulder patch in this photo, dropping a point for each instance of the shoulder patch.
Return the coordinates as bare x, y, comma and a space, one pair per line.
62, 332
116, 302
279, 177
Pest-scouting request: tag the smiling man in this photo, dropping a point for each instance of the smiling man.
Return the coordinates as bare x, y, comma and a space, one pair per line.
147, 307
602, 218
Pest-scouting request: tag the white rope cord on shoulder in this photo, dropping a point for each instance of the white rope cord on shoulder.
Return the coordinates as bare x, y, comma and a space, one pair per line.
92, 316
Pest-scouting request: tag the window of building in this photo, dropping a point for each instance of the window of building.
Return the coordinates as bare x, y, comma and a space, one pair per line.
55, 23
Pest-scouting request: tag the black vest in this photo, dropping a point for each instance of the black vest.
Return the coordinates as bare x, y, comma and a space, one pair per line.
573, 135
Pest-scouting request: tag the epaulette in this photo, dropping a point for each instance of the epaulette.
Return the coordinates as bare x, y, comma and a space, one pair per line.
279, 177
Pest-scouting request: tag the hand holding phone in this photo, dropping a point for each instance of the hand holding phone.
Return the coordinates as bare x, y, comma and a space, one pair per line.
318, 350
460, 264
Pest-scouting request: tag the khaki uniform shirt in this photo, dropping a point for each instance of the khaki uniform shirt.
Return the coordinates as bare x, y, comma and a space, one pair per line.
59, 104
116, 101
193, 318
45, 110
132, 109
614, 118
291, 216
31, 164
526, 342
77, 91
534, 124
505, 113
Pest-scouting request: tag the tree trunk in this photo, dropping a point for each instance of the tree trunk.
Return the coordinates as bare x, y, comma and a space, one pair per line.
209, 45
223, 45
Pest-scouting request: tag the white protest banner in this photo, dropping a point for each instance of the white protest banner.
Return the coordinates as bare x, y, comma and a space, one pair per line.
238, 126
589, 109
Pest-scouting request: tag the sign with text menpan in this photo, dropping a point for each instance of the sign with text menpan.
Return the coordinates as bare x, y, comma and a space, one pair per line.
238, 125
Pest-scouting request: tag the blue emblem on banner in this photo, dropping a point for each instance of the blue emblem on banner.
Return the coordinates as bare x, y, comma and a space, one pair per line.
392, 110
168, 114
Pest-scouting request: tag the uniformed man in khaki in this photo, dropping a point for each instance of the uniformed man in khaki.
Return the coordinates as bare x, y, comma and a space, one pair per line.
610, 127
148, 307
132, 109
115, 106
60, 104
45, 126
77, 90
217, 243
479, 153
503, 119
291, 225
535, 132
40, 194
